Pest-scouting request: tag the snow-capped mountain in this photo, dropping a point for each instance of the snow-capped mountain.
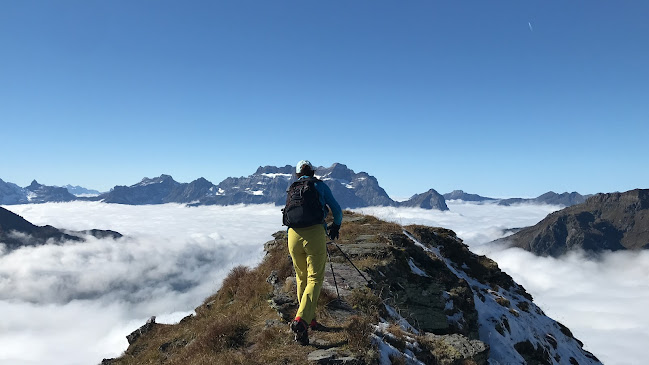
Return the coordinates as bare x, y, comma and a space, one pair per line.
267, 185
38, 193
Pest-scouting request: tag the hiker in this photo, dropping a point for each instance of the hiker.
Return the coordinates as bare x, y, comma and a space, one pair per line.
305, 212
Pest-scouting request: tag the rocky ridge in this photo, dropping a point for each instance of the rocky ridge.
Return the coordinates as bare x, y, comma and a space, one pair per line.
420, 297
614, 221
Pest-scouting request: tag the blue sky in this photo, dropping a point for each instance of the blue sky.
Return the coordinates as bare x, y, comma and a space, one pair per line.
501, 98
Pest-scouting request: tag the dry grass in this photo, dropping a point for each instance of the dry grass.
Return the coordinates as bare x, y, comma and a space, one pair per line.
365, 301
367, 262
230, 330
397, 360
398, 340
358, 333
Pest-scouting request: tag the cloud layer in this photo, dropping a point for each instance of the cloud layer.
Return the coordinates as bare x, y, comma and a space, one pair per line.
173, 257
170, 260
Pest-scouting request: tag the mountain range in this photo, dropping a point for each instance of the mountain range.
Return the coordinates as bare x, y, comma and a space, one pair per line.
614, 221
267, 185
566, 199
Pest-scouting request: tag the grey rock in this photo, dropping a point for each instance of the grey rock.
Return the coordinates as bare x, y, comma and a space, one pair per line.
331, 356
148, 326
464, 349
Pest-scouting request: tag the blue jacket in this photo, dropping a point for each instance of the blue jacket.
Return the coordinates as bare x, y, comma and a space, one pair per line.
327, 199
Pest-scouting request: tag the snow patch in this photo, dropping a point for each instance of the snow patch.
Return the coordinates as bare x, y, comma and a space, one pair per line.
274, 175
415, 269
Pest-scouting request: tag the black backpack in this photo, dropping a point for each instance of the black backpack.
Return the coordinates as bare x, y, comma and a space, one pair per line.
303, 207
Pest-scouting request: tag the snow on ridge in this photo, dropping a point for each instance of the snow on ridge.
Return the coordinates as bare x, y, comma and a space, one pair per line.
148, 182
415, 269
254, 192
274, 175
503, 326
346, 183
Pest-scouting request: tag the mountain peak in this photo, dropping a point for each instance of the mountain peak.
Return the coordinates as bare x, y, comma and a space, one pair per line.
431, 199
34, 185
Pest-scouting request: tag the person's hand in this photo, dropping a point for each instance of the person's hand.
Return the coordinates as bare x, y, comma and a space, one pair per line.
333, 231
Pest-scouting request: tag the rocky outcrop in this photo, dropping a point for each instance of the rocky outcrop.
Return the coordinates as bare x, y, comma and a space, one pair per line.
613, 222
428, 200
16, 232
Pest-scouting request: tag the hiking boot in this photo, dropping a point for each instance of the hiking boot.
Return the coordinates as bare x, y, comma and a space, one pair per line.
300, 328
316, 326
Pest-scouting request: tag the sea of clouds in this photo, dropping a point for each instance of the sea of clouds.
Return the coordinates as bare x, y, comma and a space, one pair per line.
75, 303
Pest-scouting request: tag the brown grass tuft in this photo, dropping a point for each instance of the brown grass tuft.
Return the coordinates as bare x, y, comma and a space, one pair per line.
365, 301
358, 333
225, 334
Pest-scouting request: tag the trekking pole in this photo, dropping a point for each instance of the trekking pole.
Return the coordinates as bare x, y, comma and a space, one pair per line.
350, 261
332, 272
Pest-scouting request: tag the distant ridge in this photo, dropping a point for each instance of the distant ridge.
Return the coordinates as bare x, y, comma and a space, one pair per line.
614, 221
552, 198
16, 232
267, 185
461, 195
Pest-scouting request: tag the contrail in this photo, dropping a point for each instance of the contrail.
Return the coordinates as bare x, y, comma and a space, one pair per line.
530, 25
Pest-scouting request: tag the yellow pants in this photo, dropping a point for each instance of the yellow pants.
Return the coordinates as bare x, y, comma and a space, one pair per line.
308, 248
